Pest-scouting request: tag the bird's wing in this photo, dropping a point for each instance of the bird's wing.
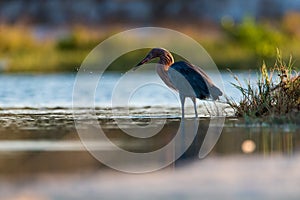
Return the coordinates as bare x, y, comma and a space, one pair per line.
181, 72
215, 92
198, 80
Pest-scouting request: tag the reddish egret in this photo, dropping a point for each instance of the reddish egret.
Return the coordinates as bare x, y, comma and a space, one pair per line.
181, 76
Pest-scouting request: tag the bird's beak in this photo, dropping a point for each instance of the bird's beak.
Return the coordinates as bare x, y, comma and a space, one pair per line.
145, 60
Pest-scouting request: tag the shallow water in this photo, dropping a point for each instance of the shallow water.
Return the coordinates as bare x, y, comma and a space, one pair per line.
43, 135
42, 155
56, 90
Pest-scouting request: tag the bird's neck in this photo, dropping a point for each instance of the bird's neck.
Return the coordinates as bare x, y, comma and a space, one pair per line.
166, 60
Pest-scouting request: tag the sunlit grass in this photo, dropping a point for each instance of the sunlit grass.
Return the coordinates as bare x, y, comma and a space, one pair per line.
275, 96
16, 39
21, 50
46, 60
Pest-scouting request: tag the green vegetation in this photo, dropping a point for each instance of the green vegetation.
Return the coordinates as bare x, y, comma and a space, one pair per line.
262, 39
252, 42
236, 46
23, 52
275, 96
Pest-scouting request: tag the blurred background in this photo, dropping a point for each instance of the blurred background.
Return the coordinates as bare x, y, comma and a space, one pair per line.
56, 35
42, 45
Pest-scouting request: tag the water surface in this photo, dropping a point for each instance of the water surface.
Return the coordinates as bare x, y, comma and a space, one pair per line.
55, 90
42, 156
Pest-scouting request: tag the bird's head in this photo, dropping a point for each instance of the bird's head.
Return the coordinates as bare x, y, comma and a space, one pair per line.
154, 53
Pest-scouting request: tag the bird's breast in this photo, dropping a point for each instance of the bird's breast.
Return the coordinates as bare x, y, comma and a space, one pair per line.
163, 74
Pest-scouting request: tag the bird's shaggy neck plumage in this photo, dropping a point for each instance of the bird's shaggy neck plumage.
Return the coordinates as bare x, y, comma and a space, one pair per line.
165, 57
167, 60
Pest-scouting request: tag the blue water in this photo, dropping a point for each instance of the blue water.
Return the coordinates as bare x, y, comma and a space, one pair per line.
53, 90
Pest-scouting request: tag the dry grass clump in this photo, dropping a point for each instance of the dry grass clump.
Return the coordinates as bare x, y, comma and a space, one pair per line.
275, 96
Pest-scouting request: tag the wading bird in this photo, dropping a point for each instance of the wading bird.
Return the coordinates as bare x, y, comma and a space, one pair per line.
185, 78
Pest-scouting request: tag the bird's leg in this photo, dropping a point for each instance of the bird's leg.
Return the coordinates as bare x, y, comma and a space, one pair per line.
182, 100
195, 107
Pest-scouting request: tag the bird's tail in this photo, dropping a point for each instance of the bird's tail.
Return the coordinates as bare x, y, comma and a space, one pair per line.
215, 92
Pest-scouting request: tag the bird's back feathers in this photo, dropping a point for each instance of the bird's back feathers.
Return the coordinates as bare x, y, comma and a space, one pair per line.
195, 77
